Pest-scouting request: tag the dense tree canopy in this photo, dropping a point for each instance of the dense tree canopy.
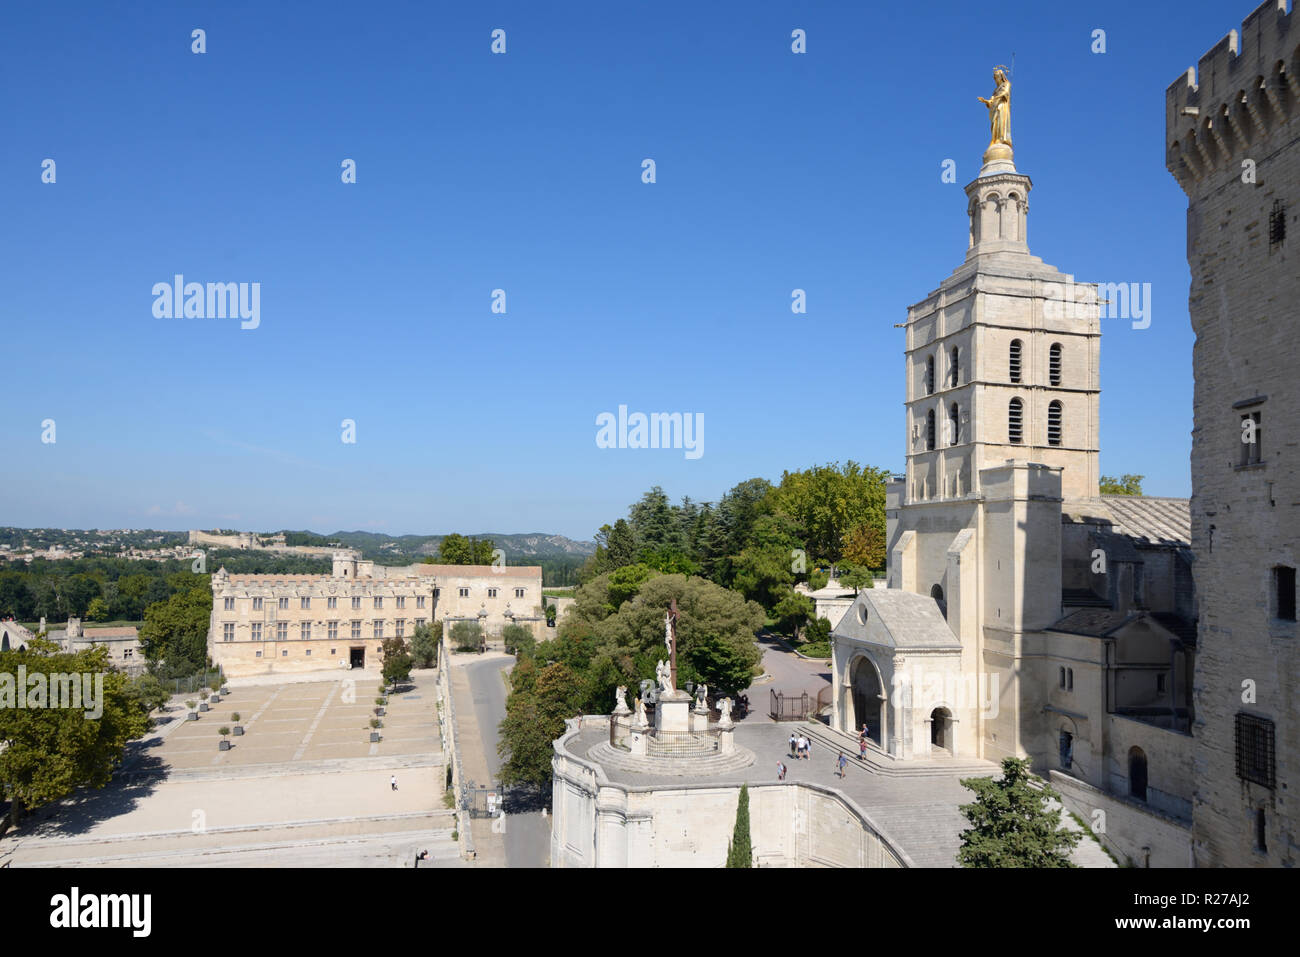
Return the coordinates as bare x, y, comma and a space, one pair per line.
1124, 485
47, 752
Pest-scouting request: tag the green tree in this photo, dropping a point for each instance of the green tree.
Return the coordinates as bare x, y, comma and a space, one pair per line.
48, 752
535, 716
864, 545
174, 636
149, 692
620, 545
792, 612
466, 636
1011, 825
97, 610
856, 577
397, 660
456, 549
1124, 485
518, 640
740, 852
715, 632
828, 502
424, 644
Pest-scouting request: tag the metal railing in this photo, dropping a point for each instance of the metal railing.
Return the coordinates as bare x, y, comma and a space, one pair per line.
784, 707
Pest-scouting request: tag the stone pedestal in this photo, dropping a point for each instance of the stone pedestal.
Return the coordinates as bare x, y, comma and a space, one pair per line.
699, 720
726, 740
636, 740
673, 712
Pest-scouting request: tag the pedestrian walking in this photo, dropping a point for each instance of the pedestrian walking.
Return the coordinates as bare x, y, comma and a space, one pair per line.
862, 748
393, 781
794, 743
780, 771
842, 763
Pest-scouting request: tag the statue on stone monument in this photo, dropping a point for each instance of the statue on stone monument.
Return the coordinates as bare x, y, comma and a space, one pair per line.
702, 697
999, 105
664, 675
641, 719
620, 700
724, 711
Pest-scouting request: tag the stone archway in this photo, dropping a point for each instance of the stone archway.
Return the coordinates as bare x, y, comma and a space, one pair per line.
941, 731
867, 696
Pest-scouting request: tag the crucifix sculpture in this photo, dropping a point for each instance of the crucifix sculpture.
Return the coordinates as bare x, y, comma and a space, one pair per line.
670, 639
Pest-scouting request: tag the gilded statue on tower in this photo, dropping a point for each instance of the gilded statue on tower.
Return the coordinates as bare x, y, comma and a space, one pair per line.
999, 105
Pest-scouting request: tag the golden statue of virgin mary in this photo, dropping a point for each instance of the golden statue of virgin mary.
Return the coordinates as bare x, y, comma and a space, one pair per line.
999, 105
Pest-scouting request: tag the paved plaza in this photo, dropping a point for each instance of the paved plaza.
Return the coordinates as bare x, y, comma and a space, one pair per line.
303, 786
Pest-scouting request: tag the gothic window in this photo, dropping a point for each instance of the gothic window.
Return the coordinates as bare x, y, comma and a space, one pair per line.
929, 375
954, 425
1284, 592
929, 431
1067, 750
1054, 423
1015, 422
1054, 364
1015, 360
1062, 679
955, 367
1254, 745
1069, 679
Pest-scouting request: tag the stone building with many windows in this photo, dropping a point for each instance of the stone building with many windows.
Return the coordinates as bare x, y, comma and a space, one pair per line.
1233, 132
292, 623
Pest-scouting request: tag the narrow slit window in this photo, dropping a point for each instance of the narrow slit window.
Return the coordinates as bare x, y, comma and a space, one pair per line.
1054, 423
1015, 360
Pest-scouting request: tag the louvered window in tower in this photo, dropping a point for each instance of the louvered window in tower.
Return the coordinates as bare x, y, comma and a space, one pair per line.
929, 375
1054, 423
929, 431
1054, 364
1015, 422
1015, 360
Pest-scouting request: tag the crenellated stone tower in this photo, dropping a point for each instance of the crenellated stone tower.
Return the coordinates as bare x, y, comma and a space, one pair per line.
1233, 134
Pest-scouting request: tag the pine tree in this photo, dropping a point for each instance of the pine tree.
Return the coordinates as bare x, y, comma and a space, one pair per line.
1010, 824
739, 851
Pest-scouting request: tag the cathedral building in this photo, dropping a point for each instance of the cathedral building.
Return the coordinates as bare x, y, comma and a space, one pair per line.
1026, 615
1233, 133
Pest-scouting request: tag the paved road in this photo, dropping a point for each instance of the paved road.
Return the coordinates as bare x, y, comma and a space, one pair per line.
527, 832
790, 675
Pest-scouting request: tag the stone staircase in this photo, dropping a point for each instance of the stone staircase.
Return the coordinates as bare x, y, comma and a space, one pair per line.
706, 763
878, 762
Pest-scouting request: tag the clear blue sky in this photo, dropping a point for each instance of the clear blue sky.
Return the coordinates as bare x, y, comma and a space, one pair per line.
523, 172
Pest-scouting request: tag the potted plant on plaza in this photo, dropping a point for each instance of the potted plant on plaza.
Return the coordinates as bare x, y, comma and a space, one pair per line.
224, 745
379, 706
203, 704
375, 725
193, 715
239, 729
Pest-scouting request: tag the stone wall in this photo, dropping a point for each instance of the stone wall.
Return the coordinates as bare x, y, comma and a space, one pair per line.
1233, 141
1130, 831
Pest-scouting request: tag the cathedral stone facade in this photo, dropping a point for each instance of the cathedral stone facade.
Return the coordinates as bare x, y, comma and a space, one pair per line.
1233, 134
1025, 615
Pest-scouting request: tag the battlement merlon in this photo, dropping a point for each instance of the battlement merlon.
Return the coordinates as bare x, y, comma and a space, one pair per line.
1267, 49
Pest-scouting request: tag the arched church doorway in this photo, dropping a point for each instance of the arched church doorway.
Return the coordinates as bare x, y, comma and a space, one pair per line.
864, 685
1137, 774
941, 729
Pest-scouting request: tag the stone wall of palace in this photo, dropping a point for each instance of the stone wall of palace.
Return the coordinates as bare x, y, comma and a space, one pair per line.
1233, 140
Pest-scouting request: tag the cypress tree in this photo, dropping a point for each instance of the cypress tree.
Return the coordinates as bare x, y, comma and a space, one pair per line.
739, 851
